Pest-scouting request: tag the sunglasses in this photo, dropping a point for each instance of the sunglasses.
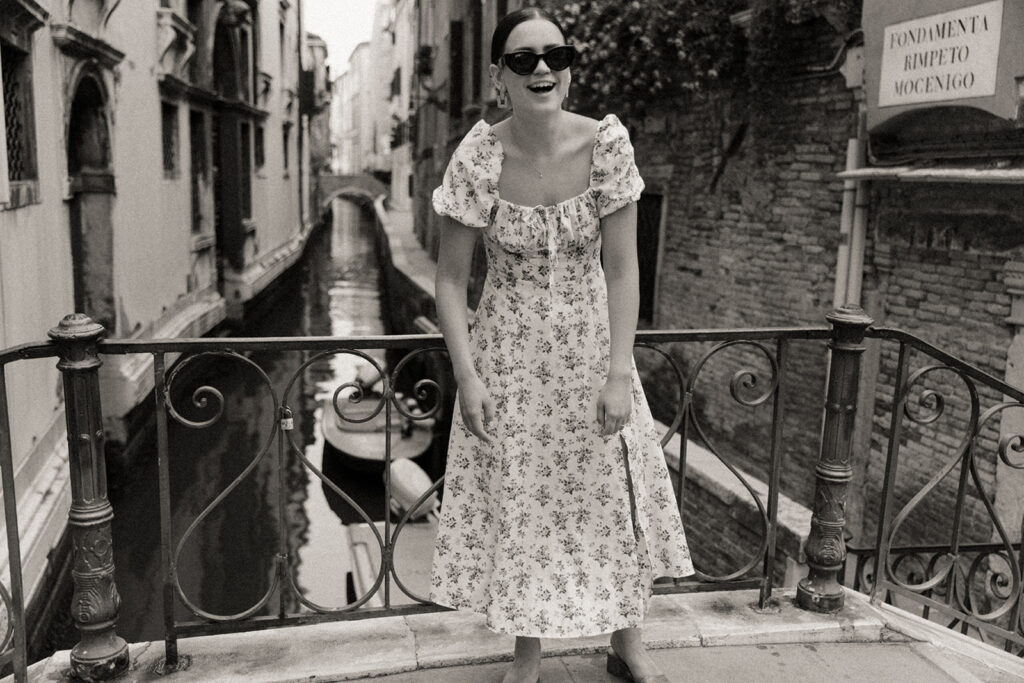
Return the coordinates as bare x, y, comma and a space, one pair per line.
525, 63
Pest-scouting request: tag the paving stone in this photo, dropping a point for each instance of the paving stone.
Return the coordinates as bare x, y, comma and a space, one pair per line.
324, 652
452, 638
732, 618
334, 651
671, 623
786, 644
855, 662
552, 670
592, 668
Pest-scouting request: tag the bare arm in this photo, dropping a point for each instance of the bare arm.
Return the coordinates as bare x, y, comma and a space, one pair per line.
454, 260
453, 266
622, 275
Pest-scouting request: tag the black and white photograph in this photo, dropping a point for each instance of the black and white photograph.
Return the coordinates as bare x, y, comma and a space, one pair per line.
512, 341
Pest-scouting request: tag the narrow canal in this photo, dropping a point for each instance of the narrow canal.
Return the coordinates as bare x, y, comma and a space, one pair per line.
227, 562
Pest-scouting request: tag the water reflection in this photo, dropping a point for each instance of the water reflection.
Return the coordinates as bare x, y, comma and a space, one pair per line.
227, 564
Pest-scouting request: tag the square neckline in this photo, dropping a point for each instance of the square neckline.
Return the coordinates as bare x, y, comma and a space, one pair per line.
546, 207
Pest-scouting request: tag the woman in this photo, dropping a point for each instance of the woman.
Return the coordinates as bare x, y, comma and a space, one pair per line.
558, 512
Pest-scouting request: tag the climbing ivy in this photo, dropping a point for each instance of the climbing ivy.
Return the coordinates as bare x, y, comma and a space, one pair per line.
635, 53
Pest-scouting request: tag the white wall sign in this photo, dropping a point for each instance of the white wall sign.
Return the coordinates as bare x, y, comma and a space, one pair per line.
948, 56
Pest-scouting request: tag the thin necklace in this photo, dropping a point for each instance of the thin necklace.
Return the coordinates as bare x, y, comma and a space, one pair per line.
535, 169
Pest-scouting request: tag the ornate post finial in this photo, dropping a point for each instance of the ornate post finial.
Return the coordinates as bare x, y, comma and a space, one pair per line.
826, 550
100, 654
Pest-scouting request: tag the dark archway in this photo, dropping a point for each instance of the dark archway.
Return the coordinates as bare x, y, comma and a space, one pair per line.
225, 63
92, 201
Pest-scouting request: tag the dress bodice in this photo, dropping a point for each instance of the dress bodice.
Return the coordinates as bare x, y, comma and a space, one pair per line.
539, 244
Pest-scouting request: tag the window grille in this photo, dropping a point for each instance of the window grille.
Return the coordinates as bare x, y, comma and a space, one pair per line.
200, 170
218, 192
169, 124
21, 158
258, 148
245, 169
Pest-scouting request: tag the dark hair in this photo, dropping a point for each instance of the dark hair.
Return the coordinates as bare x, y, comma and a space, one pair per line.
513, 19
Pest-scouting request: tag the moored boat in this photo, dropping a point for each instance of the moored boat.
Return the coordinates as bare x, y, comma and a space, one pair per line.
355, 426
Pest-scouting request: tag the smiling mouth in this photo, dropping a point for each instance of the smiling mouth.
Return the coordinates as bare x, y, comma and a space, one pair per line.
541, 88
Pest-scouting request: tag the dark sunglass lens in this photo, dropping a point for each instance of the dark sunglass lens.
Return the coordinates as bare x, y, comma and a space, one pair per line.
560, 58
522, 63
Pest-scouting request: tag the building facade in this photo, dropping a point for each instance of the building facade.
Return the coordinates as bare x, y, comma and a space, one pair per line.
317, 90
401, 104
452, 91
150, 179
357, 128
376, 122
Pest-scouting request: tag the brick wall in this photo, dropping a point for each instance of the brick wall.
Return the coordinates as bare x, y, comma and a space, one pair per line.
725, 536
938, 254
751, 240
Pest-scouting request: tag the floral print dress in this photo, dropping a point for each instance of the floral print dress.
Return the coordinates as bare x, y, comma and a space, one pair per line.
553, 530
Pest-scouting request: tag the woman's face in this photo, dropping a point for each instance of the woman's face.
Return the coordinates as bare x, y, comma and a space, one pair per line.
544, 89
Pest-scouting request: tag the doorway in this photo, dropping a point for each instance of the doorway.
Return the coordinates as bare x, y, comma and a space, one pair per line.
92, 202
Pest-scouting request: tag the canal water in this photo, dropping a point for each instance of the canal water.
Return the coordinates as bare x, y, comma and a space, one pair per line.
227, 561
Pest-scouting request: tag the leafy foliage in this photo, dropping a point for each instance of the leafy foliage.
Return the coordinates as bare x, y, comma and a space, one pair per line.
633, 54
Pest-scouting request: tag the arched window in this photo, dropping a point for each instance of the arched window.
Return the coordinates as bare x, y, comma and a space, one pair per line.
88, 136
236, 32
225, 63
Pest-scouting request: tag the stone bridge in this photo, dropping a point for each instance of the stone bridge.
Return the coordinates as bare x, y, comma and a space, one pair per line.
359, 185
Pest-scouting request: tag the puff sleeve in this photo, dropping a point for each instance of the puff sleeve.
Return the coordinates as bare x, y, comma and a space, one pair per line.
614, 176
470, 187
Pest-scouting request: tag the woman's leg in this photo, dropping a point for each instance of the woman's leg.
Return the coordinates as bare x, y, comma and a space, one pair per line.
526, 667
628, 644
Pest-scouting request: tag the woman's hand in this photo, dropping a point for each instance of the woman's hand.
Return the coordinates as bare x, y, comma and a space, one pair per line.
477, 407
614, 404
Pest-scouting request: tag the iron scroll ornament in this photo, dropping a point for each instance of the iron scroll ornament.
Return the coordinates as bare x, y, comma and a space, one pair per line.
741, 383
943, 573
423, 390
200, 400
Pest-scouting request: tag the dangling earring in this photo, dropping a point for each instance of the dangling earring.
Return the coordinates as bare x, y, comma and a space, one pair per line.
502, 94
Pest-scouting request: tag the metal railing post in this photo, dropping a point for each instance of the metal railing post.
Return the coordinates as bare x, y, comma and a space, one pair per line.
100, 654
820, 591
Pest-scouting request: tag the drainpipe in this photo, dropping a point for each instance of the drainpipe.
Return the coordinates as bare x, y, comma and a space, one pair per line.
845, 225
855, 277
852, 227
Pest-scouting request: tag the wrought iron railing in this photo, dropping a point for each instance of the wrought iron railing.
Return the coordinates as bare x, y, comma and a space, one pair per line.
972, 585
76, 343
